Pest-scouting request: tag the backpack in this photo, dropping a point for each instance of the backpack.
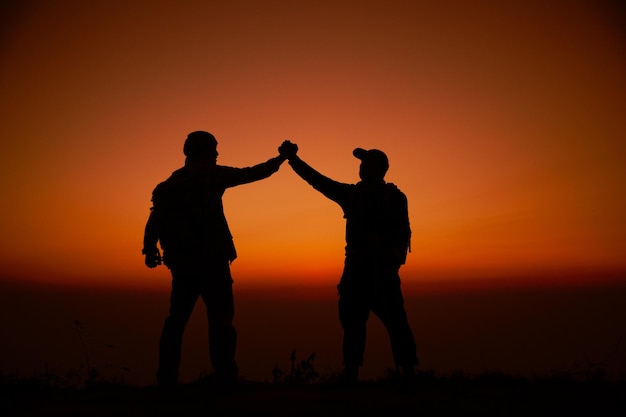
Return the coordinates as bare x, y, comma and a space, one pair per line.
378, 222
398, 221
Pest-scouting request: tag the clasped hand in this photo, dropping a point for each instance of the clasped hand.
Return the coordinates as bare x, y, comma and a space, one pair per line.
288, 149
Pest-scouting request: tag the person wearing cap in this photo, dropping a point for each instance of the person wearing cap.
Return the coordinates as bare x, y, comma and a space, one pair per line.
187, 220
377, 241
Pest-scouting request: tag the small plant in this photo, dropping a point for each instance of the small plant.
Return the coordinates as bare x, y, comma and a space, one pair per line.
91, 375
80, 331
302, 372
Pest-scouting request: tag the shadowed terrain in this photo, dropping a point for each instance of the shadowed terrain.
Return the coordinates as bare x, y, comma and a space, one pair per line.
553, 351
529, 331
487, 394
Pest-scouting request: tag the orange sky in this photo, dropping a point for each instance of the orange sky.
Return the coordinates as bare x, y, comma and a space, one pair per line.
503, 122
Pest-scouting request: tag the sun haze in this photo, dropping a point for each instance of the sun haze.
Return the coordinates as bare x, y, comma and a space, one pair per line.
504, 126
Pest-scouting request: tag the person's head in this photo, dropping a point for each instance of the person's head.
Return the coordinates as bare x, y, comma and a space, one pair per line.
201, 146
374, 164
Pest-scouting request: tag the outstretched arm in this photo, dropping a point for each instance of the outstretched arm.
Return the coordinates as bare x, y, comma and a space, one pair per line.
237, 176
332, 189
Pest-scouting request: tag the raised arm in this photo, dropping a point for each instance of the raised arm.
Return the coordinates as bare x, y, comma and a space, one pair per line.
237, 176
332, 189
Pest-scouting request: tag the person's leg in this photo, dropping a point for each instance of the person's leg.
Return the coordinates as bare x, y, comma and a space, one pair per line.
220, 310
182, 301
389, 307
353, 315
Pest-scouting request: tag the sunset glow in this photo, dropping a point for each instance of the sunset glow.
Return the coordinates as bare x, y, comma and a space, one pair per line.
504, 126
503, 121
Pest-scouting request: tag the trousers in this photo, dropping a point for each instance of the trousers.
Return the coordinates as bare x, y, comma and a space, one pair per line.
373, 285
212, 282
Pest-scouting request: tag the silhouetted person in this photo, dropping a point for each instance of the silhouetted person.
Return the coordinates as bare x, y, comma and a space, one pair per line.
187, 219
377, 237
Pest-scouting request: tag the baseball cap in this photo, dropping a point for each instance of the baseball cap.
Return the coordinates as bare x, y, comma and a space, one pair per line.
373, 156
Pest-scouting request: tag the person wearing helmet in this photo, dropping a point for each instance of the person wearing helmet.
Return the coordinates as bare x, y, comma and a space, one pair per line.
377, 241
187, 220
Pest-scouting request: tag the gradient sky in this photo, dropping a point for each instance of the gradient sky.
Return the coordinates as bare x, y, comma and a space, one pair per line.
504, 123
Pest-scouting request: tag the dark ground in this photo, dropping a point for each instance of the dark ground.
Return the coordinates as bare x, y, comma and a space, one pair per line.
515, 331
486, 395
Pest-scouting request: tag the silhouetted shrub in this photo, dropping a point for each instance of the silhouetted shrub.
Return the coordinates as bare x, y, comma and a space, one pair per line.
301, 372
